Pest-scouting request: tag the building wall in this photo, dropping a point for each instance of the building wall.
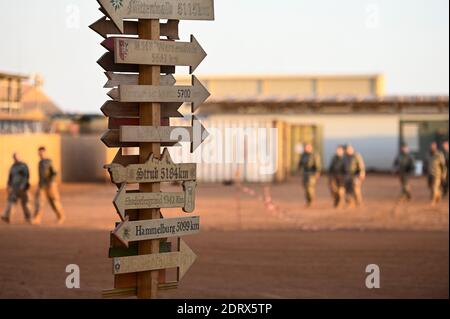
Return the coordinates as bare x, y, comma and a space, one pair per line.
27, 145
83, 158
376, 137
244, 86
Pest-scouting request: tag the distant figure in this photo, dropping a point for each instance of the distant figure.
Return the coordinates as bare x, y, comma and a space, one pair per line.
47, 188
355, 173
404, 166
310, 167
337, 177
445, 180
436, 171
18, 185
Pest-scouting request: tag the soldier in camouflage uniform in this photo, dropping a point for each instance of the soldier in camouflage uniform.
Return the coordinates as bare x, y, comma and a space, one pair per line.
18, 185
436, 171
47, 188
355, 173
310, 167
337, 177
404, 167
445, 181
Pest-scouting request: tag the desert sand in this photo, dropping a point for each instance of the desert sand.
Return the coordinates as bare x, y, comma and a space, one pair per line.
256, 241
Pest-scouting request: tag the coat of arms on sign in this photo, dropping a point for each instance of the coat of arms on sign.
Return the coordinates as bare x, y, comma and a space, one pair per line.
117, 4
123, 49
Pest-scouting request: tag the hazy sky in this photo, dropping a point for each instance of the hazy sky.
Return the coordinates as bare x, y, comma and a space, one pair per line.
407, 40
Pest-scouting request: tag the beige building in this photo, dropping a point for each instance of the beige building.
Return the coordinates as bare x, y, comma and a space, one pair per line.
325, 110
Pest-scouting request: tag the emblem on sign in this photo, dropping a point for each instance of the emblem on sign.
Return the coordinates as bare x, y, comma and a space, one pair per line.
117, 4
117, 265
123, 49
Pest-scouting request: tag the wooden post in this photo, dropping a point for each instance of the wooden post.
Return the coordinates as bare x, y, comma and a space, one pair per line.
150, 115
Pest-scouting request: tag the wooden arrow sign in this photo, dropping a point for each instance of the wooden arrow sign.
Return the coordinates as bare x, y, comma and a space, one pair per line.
105, 27
153, 52
154, 171
129, 231
127, 110
116, 123
182, 259
107, 63
116, 79
165, 134
111, 139
195, 94
125, 160
157, 9
131, 200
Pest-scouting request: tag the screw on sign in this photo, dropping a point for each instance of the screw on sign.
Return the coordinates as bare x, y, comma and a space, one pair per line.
145, 96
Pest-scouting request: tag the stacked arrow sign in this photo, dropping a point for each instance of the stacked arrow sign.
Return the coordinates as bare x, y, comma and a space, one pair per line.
121, 62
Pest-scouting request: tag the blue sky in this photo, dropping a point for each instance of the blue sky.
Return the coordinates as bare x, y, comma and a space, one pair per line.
407, 41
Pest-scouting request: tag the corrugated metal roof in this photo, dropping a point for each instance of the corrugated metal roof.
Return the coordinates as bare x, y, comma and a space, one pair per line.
335, 100
12, 76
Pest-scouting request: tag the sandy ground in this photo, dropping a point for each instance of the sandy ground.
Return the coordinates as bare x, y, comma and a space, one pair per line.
248, 248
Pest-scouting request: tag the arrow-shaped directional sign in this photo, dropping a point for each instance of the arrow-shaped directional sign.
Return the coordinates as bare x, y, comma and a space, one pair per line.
165, 134
156, 52
157, 9
154, 171
116, 79
156, 228
131, 200
182, 259
107, 63
105, 27
116, 123
125, 160
195, 94
111, 139
128, 110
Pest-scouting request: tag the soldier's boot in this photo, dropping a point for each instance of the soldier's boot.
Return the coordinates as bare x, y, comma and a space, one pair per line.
335, 200
7, 212
408, 195
309, 197
26, 209
340, 198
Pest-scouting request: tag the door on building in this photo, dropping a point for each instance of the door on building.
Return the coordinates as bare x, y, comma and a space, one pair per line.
299, 136
419, 134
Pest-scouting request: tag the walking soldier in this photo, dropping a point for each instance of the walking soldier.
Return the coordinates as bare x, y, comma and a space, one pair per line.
47, 188
436, 170
18, 185
310, 167
355, 173
337, 176
404, 167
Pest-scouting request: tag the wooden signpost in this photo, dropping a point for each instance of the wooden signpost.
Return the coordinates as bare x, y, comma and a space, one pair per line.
107, 63
157, 9
194, 134
116, 79
140, 70
151, 52
196, 94
128, 231
127, 110
182, 259
153, 171
105, 27
130, 200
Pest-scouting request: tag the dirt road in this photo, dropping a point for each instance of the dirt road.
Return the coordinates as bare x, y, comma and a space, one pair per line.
247, 249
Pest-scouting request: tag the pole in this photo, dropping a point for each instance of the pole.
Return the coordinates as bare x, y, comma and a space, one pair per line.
149, 115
